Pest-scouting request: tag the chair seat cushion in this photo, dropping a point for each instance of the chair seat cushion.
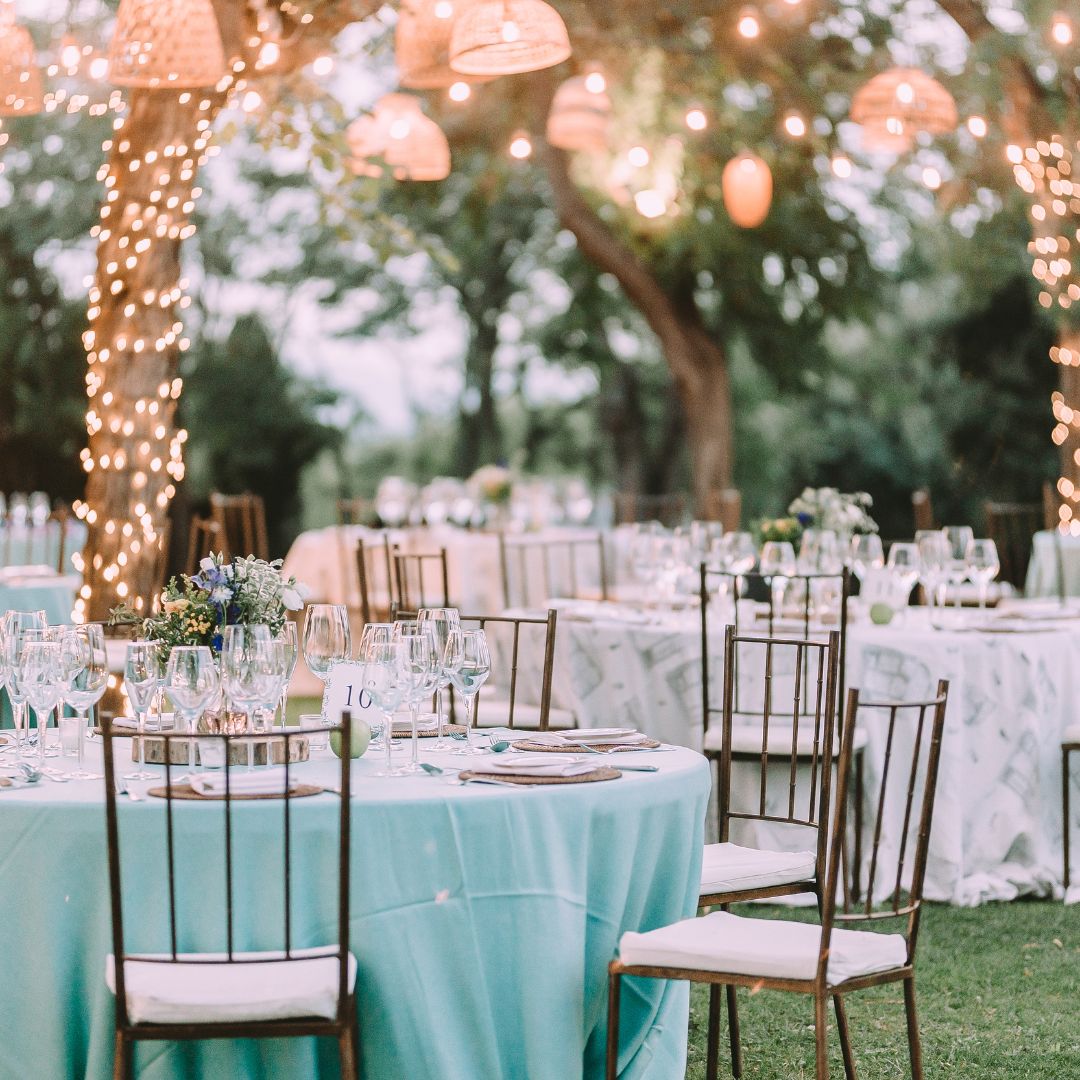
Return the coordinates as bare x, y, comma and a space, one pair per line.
730, 868
746, 739
201, 993
495, 712
769, 948
1072, 734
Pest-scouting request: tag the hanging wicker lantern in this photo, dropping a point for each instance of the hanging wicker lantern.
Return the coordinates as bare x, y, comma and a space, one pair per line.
747, 187
412, 146
888, 137
20, 80
166, 43
422, 44
904, 102
580, 114
507, 37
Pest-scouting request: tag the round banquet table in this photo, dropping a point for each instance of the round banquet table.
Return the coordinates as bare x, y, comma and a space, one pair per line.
1013, 690
482, 920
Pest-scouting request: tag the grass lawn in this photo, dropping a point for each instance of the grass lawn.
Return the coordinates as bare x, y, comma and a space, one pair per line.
998, 993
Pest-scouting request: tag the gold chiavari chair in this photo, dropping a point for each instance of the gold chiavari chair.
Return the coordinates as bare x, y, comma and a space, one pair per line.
421, 579
1070, 744
669, 510
356, 512
1012, 527
178, 994
375, 574
205, 537
556, 564
922, 510
243, 523
827, 960
724, 505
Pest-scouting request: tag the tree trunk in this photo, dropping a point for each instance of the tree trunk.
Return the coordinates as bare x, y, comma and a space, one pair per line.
479, 433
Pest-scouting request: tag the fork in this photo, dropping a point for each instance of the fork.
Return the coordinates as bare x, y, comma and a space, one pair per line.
123, 789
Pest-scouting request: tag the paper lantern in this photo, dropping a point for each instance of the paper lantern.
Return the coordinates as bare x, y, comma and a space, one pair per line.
422, 44
166, 43
747, 188
412, 146
20, 80
580, 114
904, 102
507, 37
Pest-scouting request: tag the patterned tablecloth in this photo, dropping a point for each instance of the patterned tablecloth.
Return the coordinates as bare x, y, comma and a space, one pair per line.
997, 827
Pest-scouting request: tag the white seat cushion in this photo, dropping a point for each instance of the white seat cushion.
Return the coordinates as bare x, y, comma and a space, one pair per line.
495, 712
1072, 734
220, 993
730, 868
770, 948
746, 738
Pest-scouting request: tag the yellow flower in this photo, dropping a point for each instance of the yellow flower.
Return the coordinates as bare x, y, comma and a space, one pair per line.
173, 606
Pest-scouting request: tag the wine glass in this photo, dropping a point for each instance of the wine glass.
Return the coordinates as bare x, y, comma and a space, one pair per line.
83, 648
905, 563
440, 621
250, 673
192, 682
777, 564
290, 642
421, 677
958, 537
983, 565
468, 663
866, 554
16, 625
42, 680
327, 638
933, 560
385, 681
143, 675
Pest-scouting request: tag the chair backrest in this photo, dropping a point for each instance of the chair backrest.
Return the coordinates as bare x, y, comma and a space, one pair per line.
797, 732
922, 510
356, 512
572, 567
724, 505
913, 750
181, 921
38, 542
507, 657
669, 510
1012, 526
243, 522
375, 574
812, 595
205, 537
420, 579
1051, 501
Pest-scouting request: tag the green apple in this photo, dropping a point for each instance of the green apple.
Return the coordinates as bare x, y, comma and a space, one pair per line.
881, 614
361, 736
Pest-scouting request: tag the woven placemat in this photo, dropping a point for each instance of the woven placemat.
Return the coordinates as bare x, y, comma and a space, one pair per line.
404, 731
186, 791
576, 747
596, 776
118, 731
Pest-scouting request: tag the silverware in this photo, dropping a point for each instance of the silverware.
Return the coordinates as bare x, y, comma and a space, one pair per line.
123, 789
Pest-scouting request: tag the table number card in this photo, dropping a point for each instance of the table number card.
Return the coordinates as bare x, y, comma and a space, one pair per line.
344, 690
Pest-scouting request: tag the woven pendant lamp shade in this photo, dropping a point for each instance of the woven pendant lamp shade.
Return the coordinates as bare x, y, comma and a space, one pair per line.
747, 188
412, 146
904, 102
508, 37
20, 79
166, 43
422, 44
579, 118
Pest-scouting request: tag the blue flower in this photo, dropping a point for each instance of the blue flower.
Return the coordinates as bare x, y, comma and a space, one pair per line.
804, 518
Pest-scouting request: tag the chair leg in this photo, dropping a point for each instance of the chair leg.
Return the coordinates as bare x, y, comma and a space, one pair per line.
821, 1032
349, 1050
733, 1031
1065, 813
712, 1040
856, 870
614, 985
845, 1037
122, 1055
914, 1048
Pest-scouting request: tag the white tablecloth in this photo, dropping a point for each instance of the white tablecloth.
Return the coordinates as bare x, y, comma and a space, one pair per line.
997, 827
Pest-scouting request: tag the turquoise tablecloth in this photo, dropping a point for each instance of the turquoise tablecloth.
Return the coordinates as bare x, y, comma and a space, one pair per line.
483, 920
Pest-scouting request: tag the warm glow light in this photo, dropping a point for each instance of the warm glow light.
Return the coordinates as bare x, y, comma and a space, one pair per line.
595, 82
638, 156
322, 65
977, 126
252, 100
1061, 29
269, 54
521, 146
795, 125
931, 178
650, 203
696, 120
841, 166
460, 91
99, 67
511, 32
749, 24
70, 55
444, 10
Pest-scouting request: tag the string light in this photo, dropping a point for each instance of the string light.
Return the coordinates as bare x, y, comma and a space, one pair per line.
521, 147
650, 203
638, 156
795, 125
322, 66
977, 126
1061, 29
460, 91
749, 24
695, 118
841, 166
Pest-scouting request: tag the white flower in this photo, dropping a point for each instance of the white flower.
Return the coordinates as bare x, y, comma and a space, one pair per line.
221, 595
292, 599
206, 564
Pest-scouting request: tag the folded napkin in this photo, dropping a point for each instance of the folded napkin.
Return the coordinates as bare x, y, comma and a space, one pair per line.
125, 723
265, 782
535, 765
614, 736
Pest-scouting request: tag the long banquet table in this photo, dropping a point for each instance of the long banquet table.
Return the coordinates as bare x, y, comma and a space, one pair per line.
997, 824
482, 920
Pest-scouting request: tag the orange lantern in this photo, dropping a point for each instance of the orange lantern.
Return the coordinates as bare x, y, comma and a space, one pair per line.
899, 104
422, 44
747, 188
412, 146
20, 80
507, 37
580, 114
166, 43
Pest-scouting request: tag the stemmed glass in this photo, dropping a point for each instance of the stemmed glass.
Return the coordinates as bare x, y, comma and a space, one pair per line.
42, 678
290, 642
983, 565
440, 621
192, 684
467, 660
778, 562
933, 560
866, 554
251, 673
16, 625
143, 674
385, 681
327, 638
421, 678
83, 648
378, 633
905, 563
958, 537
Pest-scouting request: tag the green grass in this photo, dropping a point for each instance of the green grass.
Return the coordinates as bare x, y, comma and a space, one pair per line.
998, 994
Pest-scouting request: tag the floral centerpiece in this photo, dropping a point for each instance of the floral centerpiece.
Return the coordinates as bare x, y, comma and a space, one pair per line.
493, 483
785, 528
196, 609
845, 514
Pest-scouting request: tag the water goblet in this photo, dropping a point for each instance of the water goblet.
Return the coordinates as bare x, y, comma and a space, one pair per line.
778, 563
143, 674
42, 677
933, 561
250, 675
904, 561
958, 537
468, 662
384, 681
83, 648
290, 639
983, 565
16, 628
327, 638
440, 621
421, 676
192, 684
865, 553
